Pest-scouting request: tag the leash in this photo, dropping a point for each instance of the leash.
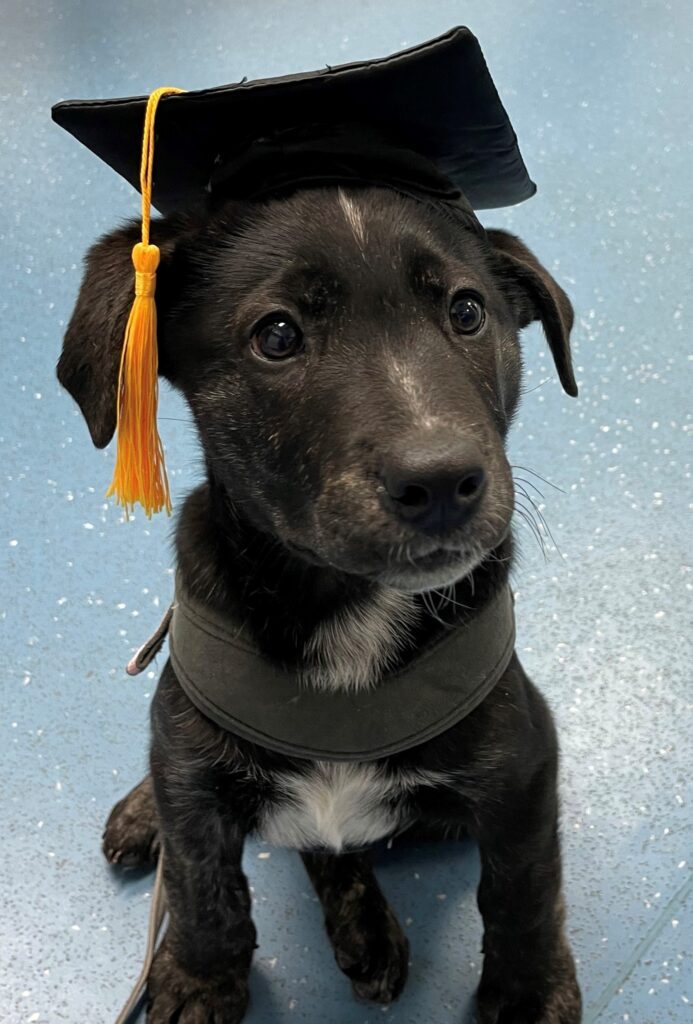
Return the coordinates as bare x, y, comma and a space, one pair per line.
157, 913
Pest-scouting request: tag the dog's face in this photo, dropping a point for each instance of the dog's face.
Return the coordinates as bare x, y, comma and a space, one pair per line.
351, 359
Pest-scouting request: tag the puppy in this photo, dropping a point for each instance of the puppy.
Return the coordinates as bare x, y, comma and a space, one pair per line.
351, 360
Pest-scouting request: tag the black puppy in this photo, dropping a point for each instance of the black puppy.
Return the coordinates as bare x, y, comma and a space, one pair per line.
351, 360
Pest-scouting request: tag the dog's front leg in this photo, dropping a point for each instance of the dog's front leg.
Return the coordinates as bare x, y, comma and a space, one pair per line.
529, 974
368, 941
200, 973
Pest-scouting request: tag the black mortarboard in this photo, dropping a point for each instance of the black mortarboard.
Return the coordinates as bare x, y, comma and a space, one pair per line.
426, 120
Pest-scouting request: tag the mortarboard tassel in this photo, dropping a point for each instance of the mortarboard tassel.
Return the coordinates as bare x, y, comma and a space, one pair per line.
140, 471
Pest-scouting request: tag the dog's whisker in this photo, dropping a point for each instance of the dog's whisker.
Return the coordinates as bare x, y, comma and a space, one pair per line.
528, 483
541, 384
427, 600
526, 469
442, 597
449, 591
541, 519
528, 519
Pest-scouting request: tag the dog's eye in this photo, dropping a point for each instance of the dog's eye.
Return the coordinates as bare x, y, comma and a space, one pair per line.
467, 312
276, 337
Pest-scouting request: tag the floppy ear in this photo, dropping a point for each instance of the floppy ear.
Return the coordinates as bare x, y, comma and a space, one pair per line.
89, 364
537, 296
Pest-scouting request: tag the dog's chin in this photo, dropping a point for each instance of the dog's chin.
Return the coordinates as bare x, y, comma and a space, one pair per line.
440, 570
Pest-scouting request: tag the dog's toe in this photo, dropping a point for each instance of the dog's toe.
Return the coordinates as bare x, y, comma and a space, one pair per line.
131, 835
175, 997
136, 851
561, 1005
386, 984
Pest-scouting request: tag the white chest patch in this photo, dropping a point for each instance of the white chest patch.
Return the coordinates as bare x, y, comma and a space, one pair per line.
351, 650
337, 805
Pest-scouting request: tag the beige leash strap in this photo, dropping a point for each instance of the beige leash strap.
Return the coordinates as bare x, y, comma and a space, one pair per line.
157, 912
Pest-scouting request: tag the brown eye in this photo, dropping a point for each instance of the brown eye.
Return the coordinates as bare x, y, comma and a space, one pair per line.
276, 337
467, 312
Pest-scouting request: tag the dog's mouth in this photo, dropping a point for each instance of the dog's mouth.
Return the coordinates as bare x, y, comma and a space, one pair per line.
439, 559
403, 569
441, 567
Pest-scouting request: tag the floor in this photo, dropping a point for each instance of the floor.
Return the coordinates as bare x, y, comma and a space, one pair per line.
600, 95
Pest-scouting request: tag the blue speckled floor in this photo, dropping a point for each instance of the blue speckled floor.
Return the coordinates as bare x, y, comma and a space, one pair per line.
600, 95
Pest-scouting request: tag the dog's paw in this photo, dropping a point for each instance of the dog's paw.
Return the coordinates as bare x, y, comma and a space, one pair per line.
131, 836
559, 1007
373, 952
559, 1003
174, 995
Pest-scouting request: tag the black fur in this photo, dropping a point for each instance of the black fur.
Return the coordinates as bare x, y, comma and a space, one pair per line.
291, 529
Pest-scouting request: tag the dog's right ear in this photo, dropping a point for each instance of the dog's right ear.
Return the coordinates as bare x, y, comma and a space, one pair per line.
89, 364
537, 297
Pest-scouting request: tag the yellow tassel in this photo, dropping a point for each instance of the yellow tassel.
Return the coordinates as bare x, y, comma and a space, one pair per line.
140, 471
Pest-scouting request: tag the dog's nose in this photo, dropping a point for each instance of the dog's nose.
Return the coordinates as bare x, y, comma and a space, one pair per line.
435, 493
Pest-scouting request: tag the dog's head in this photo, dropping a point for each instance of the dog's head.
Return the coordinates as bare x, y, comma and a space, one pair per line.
351, 360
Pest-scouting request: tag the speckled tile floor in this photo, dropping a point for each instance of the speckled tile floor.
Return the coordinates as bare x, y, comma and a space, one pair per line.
600, 95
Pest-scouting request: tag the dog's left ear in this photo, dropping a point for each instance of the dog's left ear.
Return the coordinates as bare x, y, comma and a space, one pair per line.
90, 359
536, 296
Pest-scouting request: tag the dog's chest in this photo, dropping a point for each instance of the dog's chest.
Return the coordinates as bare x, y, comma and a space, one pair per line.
336, 806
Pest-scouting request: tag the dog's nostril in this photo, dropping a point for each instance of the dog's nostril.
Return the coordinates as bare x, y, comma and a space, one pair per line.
414, 496
471, 483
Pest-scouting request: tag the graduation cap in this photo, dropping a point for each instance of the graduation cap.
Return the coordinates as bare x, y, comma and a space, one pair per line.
427, 121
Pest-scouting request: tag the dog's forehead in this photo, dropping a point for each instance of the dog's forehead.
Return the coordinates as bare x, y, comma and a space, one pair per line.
324, 244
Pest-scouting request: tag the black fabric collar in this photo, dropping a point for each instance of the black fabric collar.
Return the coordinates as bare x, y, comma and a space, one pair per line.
229, 681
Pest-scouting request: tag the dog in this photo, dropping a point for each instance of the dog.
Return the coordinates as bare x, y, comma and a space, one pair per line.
351, 359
